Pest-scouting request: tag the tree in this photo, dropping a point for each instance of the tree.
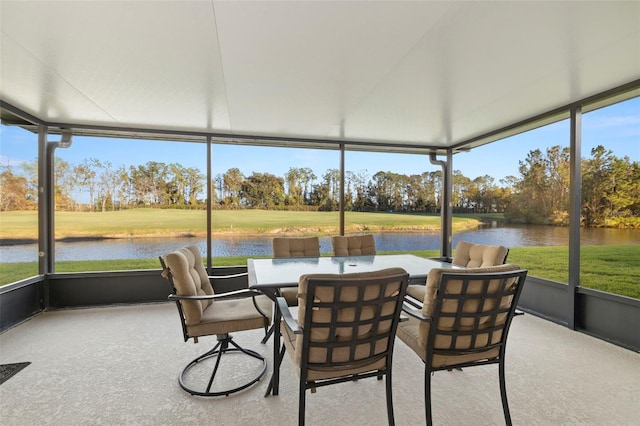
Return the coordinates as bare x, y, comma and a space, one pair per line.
484, 196
320, 197
106, 183
531, 201
307, 178
558, 164
263, 190
84, 180
149, 183
14, 191
123, 188
176, 184
379, 191
293, 180
625, 198
194, 180
416, 196
462, 189
358, 182
610, 188
63, 185
232, 182
505, 192
433, 183
327, 194
30, 172
389, 191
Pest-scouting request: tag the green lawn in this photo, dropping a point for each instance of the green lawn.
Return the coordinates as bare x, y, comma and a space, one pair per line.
613, 269
166, 222
609, 268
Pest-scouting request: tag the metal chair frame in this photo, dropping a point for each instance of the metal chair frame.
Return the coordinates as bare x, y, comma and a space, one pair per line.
312, 304
513, 291
225, 343
314, 252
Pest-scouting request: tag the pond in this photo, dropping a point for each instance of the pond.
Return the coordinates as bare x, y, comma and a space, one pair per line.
242, 245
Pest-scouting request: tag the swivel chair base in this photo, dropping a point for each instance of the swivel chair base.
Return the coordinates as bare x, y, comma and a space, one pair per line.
225, 345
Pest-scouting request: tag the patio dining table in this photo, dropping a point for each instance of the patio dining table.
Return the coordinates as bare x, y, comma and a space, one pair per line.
270, 275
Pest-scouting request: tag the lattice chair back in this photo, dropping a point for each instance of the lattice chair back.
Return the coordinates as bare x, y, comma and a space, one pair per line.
353, 245
284, 247
479, 255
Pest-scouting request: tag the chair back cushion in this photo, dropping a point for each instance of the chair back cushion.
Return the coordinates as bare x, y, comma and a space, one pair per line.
296, 247
353, 245
479, 255
349, 320
474, 309
190, 279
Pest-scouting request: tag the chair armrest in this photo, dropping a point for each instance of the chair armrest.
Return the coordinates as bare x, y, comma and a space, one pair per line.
287, 317
442, 259
410, 310
227, 277
413, 302
228, 295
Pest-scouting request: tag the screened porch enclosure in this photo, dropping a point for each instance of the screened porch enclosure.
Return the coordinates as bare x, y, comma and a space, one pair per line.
425, 78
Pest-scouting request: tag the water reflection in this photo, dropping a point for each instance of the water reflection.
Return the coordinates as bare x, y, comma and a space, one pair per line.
240, 245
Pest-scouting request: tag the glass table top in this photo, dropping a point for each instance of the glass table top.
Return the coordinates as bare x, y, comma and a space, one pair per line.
286, 272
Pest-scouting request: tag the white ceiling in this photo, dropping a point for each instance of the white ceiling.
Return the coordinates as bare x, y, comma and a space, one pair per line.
430, 73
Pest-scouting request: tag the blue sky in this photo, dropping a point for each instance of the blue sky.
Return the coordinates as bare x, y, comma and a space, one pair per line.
616, 127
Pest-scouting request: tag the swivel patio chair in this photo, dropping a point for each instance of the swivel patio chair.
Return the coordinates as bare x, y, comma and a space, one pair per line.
345, 329
463, 321
203, 313
353, 245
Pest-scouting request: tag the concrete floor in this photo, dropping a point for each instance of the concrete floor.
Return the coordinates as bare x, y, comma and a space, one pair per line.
119, 366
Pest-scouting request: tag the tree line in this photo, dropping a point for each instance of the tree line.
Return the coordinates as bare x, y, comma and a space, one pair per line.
540, 195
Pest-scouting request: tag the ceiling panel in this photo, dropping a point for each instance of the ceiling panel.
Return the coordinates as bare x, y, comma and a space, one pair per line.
487, 63
148, 64
299, 68
423, 73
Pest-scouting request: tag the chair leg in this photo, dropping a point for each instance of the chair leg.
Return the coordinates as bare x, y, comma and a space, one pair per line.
267, 334
390, 416
221, 348
301, 402
503, 392
224, 346
427, 397
276, 363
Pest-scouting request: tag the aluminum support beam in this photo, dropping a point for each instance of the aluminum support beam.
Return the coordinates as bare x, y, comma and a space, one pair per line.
446, 207
209, 196
342, 189
575, 203
45, 229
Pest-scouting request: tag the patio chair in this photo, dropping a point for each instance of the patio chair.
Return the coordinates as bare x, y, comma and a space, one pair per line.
353, 245
463, 321
468, 255
345, 329
284, 247
288, 247
203, 313
294, 247
472, 255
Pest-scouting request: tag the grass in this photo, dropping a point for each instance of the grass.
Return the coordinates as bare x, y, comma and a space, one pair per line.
614, 269
145, 222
